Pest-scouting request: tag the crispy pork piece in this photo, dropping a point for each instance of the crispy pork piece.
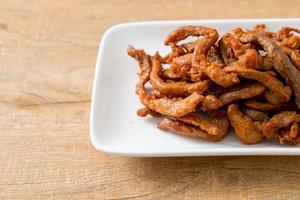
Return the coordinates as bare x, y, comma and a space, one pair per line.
211, 103
295, 58
196, 74
176, 107
176, 88
169, 74
243, 126
282, 92
266, 63
250, 59
212, 69
274, 98
202, 47
282, 63
185, 59
165, 106
187, 130
287, 38
144, 76
243, 92
244, 54
182, 65
278, 121
255, 114
261, 28
215, 72
185, 31
214, 55
176, 52
292, 53
289, 135
213, 125
263, 106
143, 112
226, 50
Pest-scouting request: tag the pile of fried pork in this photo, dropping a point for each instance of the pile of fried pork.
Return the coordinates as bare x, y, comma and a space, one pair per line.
247, 79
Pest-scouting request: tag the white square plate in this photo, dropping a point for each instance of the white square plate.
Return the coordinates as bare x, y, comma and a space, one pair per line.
115, 127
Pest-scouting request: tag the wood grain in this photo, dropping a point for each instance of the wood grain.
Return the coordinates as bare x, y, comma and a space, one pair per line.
47, 57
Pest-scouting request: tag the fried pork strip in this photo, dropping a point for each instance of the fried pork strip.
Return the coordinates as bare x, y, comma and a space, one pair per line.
278, 121
262, 106
289, 135
287, 38
243, 125
245, 92
177, 88
211, 103
143, 112
261, 28
185, 31
250, 59
226, 50
295, 58
169, 74
213, 126
176, 107
144, 76
233, 49
182, 65
282, 63
274, 85
215, 72
255, 114
187, 130
292, 53
214, 55
266, 63
203, 45
274, 98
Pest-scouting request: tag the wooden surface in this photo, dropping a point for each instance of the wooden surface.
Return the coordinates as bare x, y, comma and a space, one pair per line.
47, 57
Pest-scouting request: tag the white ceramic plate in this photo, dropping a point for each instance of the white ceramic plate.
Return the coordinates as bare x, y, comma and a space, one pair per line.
114, 125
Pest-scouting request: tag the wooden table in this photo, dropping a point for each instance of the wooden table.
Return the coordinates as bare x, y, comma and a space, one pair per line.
47, 58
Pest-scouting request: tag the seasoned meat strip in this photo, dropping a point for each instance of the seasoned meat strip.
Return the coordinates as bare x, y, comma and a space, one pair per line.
269, 81
255, 114
177, 88
278, 121
262, 106
187, 130
243, 126
282, 63
289, 134
213, 126
244, 92
176, 107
